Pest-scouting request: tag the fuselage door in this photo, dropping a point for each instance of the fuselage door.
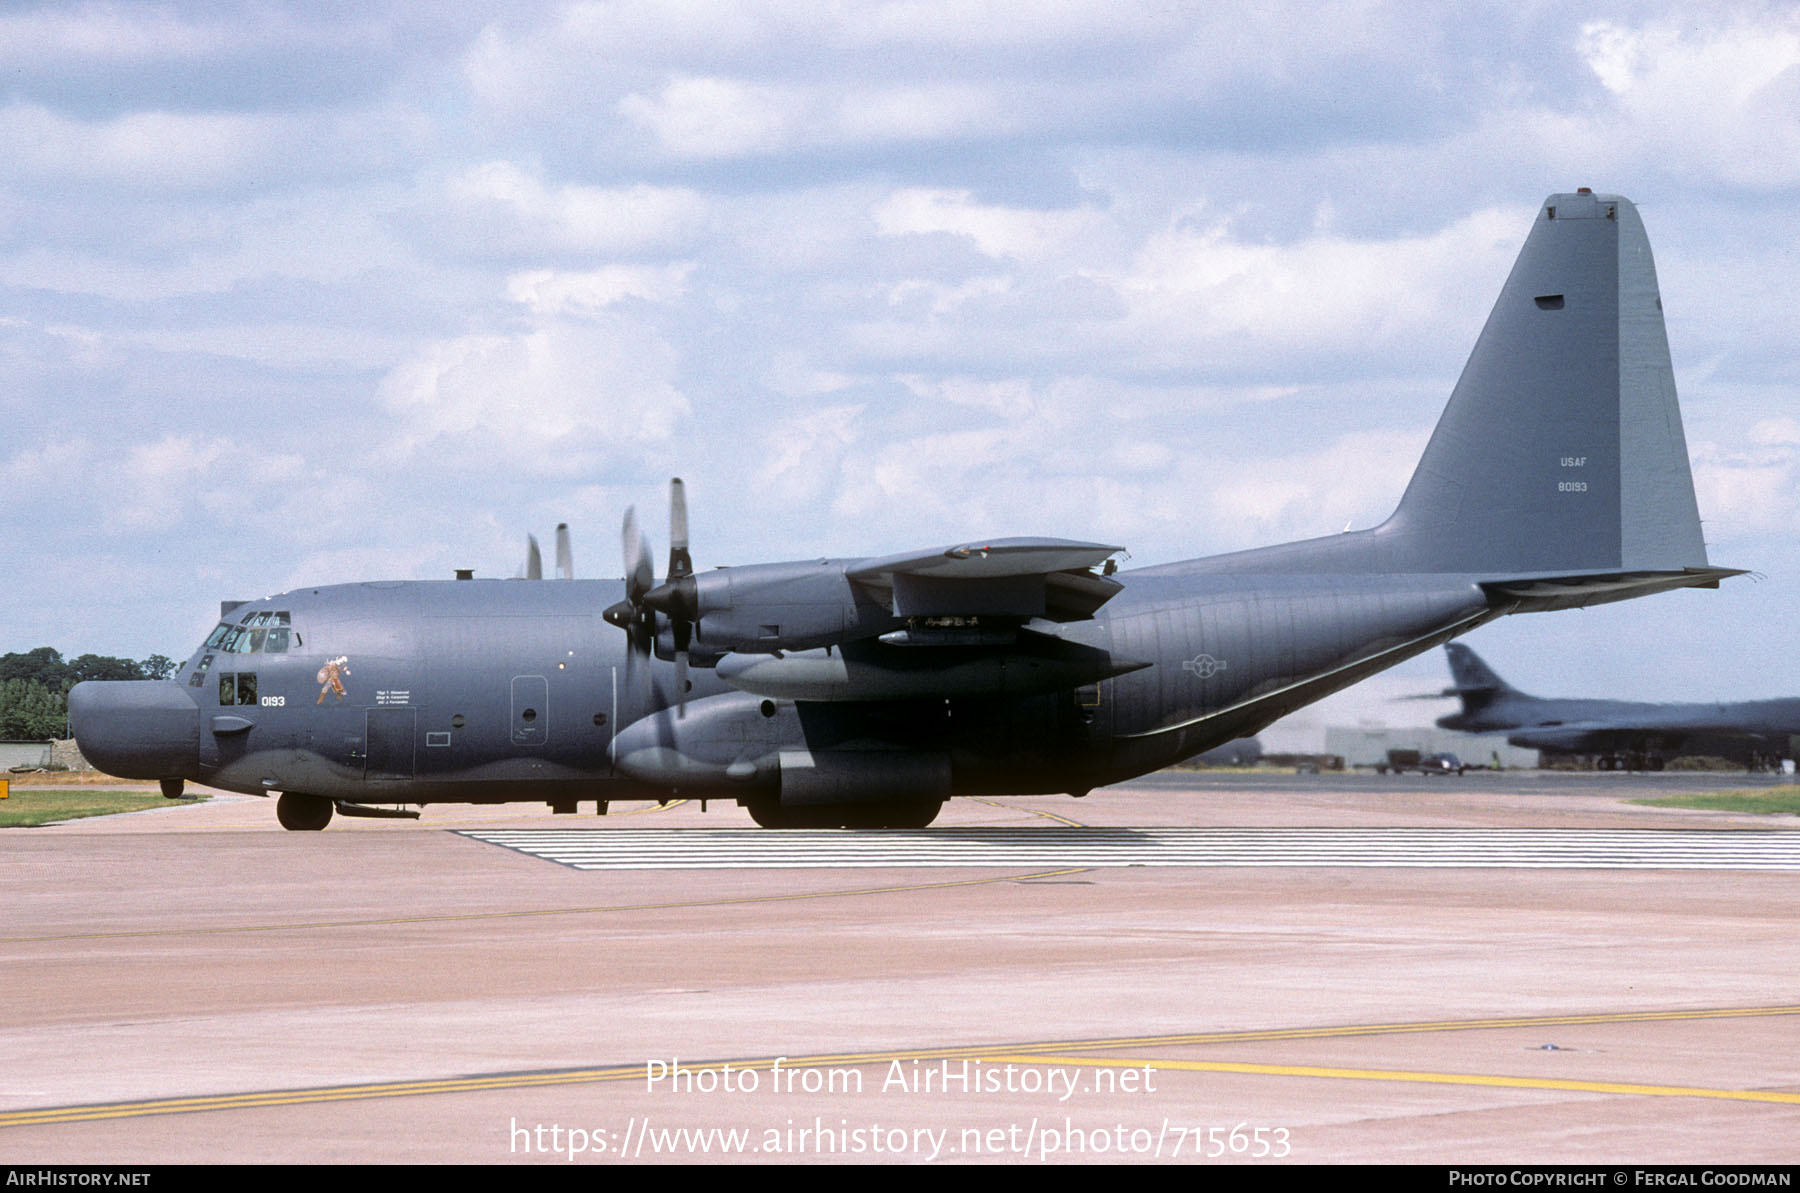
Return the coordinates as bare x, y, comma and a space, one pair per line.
391, 738
530, 710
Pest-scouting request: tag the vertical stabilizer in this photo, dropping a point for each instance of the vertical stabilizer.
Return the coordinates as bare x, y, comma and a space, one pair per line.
1471, 673
1561, 449
1479, 688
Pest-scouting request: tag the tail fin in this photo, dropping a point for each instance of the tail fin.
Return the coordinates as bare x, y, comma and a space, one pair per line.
1477, 685
1472, 674
1561, 450
1558, 474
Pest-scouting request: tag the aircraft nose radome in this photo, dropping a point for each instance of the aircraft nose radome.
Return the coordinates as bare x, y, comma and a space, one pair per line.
136, 729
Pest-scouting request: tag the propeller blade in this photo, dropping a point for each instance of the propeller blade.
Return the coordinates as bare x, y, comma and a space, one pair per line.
565, 562
680, 562
675, 603
683, 631
637, 678
640, 573
534, 559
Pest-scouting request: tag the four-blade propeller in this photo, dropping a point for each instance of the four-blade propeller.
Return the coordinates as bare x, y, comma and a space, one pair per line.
676, 598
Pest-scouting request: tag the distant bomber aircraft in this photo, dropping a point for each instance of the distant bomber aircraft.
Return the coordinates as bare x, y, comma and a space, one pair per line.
1620, 734
865, 692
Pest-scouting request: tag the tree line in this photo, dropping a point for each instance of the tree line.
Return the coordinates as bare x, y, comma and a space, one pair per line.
34, 687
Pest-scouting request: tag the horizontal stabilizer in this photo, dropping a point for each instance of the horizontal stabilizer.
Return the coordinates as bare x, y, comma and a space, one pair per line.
1542, 593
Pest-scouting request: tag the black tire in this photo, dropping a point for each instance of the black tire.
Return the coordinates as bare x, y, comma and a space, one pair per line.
887, 814
770, 813
300, 813
899, 813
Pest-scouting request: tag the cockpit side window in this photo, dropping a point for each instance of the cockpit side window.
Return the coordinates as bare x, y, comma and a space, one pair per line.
237, 688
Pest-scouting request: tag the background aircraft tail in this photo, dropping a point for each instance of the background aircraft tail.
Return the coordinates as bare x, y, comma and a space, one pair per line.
1477, 685
1472, 675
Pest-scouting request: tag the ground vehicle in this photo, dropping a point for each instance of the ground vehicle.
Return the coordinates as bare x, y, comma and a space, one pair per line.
1401, 761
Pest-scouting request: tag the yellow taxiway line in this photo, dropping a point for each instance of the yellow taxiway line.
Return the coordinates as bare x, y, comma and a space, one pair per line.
1059, 1052
1483, 1079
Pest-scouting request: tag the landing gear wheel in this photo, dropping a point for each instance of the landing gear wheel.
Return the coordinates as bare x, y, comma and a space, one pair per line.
302, 813
899, 813
771, 814
888, 814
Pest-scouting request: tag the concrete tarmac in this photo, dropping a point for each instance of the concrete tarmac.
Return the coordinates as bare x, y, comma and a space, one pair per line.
193, 984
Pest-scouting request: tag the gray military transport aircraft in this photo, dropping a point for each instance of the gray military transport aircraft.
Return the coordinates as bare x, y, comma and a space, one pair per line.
1619, 734
866, 692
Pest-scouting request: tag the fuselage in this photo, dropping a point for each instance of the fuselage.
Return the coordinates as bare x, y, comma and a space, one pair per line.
1749, 730
492, 691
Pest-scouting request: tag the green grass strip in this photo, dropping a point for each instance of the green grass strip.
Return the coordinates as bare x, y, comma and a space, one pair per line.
31, 806
1768, 800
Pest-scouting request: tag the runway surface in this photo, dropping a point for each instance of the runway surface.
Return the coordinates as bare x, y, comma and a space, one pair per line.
1500, 849
1229, 968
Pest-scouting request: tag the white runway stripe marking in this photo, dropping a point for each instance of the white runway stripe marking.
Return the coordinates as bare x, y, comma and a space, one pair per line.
756, 849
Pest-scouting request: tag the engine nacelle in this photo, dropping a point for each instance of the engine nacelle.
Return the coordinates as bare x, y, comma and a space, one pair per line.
726, 745
743, 746
766, 607
1029, 664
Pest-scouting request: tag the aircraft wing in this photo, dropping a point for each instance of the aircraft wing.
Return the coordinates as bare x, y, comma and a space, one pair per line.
1016, 577
943, 622
1599, 736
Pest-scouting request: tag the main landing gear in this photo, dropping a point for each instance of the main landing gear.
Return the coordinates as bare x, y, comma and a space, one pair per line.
302, 813
897, 813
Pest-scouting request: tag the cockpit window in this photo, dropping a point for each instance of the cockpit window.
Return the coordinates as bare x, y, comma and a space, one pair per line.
260, 631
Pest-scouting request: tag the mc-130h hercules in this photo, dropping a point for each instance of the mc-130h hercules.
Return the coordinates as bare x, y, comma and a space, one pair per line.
866, 692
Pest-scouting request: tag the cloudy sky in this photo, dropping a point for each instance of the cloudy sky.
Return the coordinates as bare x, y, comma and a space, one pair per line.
294, 294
